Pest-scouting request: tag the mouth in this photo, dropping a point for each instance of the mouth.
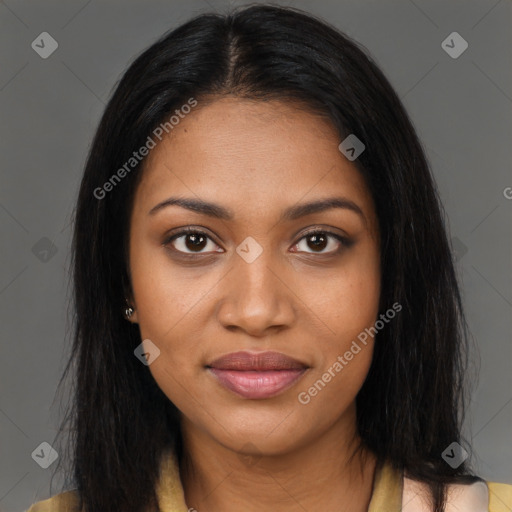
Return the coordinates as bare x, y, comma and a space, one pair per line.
257, 375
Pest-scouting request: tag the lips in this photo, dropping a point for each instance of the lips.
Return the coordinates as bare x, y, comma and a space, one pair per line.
257, 375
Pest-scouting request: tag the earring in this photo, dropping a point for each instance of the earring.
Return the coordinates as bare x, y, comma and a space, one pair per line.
128, 312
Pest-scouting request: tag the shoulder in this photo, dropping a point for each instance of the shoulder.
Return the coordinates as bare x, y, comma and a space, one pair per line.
63, 502
500, 497
477, 497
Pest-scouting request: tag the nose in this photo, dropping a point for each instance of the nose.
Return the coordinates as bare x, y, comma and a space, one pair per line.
256, 297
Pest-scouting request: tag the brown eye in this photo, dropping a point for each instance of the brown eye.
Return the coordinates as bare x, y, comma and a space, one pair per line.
318, 241
195, 242
191, 241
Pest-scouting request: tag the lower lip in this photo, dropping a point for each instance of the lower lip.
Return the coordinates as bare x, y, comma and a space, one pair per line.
257, 384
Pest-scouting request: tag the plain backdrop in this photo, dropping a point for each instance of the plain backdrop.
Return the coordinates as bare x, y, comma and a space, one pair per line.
461, 108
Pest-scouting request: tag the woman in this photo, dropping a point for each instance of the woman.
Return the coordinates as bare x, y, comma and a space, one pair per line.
267, 314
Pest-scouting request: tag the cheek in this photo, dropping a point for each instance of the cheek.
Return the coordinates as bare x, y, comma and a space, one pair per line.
162, 297
167, 308
350, 306
173, 376
349, 297
361, 288
343, 361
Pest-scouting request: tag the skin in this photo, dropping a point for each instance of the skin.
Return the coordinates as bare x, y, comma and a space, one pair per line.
257, 159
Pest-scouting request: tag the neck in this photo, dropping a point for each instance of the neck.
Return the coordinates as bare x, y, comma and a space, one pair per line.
328, 473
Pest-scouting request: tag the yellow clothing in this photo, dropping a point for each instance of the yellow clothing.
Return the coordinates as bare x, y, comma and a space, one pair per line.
386, 496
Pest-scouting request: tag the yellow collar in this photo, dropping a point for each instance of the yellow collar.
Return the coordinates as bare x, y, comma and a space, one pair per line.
386, 496
388, 488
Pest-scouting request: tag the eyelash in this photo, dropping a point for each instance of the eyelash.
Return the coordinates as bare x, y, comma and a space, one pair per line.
345, 242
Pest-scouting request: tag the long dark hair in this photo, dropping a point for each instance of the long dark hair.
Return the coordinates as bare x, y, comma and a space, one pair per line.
411, 405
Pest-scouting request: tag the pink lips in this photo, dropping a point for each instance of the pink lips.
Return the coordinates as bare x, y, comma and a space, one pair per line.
257, 375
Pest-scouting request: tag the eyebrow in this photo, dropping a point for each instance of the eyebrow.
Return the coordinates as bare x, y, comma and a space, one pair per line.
291, 213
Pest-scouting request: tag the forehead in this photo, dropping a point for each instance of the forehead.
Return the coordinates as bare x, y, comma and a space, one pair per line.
249, 153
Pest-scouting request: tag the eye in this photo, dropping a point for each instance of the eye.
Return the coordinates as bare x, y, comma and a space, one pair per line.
319, 240
191, 241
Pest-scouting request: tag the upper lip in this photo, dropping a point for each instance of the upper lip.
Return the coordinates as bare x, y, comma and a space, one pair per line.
262, 361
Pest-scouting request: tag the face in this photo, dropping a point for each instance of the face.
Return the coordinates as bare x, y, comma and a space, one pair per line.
254, 308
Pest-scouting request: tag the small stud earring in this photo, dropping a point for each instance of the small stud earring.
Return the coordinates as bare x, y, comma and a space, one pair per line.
128, 312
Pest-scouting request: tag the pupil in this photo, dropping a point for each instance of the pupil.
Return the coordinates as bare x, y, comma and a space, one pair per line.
198, 241
319, 241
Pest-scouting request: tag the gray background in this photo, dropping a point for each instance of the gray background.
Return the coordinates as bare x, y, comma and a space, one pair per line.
50, 109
